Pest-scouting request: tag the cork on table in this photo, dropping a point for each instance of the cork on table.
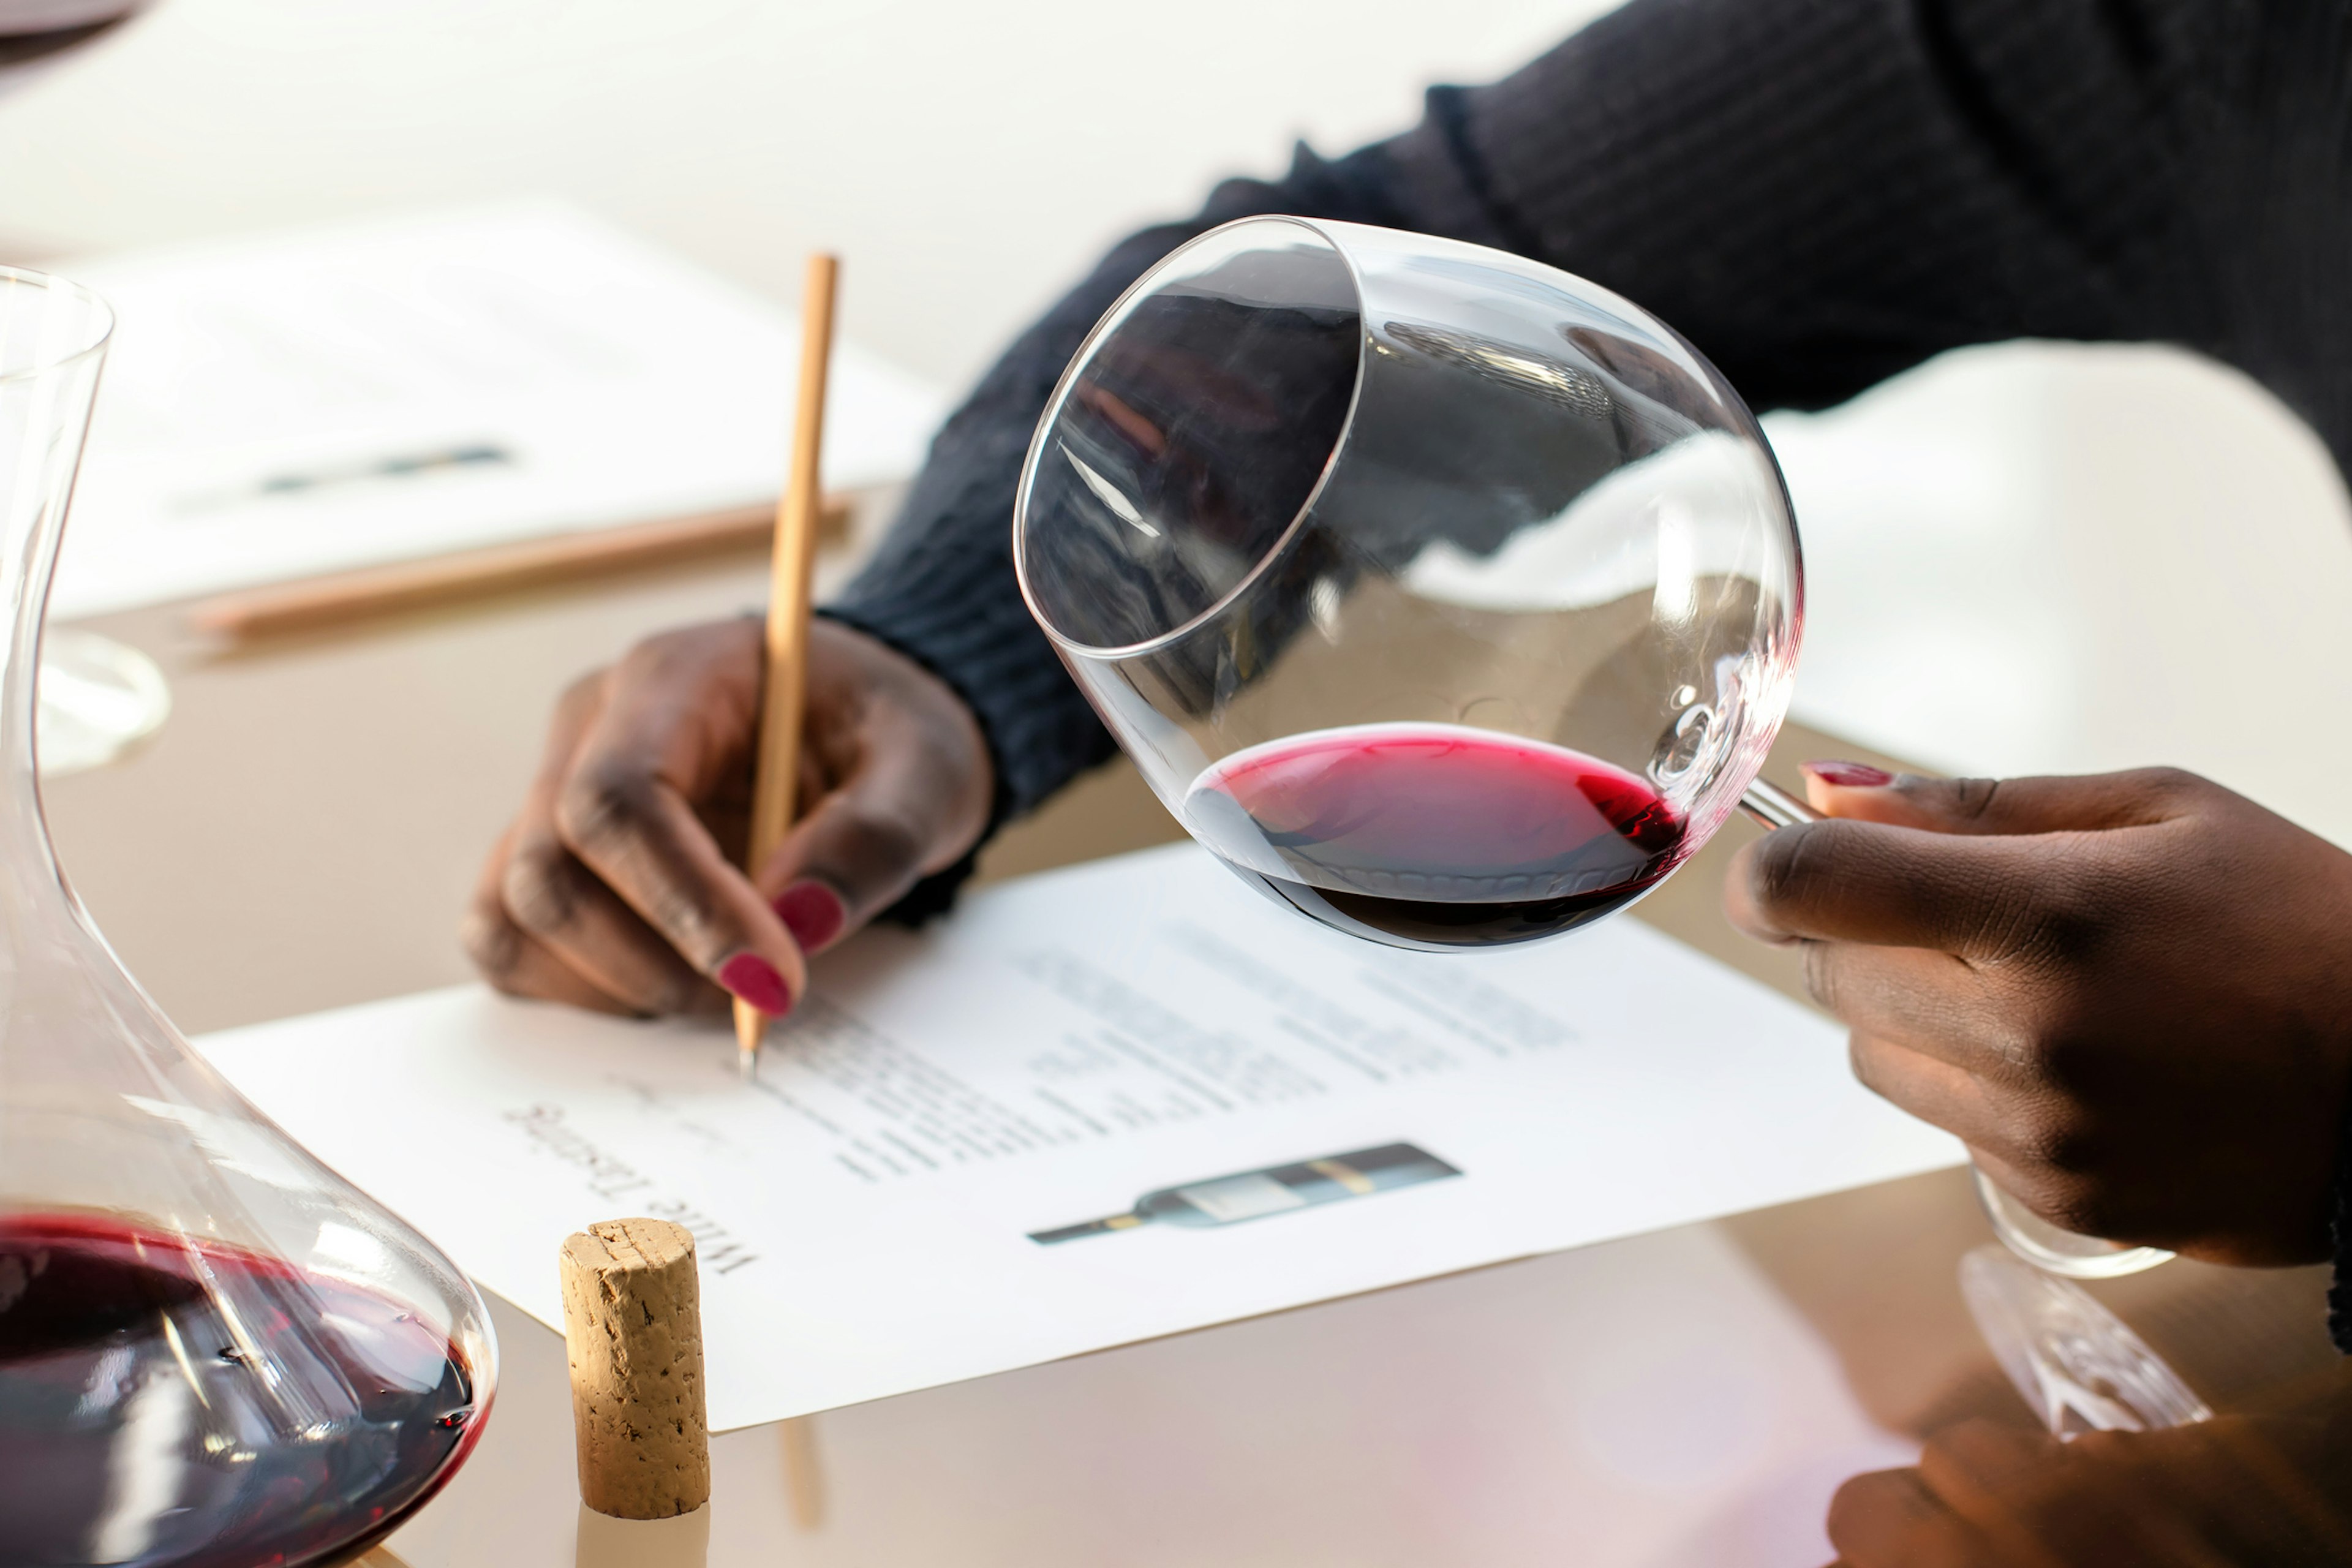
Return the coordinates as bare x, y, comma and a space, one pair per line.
633, 1337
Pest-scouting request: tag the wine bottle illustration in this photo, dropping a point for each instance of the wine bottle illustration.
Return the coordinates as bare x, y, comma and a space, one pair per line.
1276, 1189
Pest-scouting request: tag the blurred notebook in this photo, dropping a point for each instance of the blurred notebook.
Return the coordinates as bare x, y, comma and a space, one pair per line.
280, 406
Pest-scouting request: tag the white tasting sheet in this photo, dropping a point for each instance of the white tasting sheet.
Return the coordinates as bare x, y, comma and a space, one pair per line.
1059, 1048
283, 405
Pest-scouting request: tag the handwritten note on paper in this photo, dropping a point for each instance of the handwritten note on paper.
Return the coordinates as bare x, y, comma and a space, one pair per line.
1089, 1046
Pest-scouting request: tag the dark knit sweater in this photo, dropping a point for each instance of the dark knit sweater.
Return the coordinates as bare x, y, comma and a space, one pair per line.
1816, 193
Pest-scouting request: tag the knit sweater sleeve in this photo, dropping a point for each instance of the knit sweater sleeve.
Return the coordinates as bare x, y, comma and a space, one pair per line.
1818, 193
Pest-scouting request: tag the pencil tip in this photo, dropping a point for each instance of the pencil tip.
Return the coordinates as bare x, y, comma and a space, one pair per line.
749, 1025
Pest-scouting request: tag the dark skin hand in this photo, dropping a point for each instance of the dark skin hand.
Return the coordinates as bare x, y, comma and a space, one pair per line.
618, 886
2130, 995
2239, 1492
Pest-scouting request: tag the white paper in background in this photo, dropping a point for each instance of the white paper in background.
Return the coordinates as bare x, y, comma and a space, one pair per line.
278, 406
1063, 1045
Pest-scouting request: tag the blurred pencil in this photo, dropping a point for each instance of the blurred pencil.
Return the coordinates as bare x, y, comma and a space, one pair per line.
408, 585
788, 609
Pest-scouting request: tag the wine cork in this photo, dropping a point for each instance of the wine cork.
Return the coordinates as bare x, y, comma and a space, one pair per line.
632, 1331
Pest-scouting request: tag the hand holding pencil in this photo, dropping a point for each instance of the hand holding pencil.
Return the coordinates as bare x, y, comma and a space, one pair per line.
636, 877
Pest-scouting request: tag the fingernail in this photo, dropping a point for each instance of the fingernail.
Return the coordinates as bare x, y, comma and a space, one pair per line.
1850, 775
754, 980
813, 912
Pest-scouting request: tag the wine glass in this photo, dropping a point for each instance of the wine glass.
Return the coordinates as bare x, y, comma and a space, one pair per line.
1448, 598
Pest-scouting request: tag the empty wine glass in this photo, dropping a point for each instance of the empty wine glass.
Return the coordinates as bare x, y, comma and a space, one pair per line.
1448, 598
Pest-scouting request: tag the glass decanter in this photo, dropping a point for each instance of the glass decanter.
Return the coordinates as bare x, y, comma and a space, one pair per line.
213, 1349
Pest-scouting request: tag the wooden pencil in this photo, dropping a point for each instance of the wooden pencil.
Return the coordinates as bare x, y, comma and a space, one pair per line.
788, 609
401, 588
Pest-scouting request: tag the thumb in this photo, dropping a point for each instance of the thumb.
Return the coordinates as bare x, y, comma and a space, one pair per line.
2051, 803
860, 851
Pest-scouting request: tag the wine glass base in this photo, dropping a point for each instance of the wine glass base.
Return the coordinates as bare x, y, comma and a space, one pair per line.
98, 699
2076, 1364
2057, 1250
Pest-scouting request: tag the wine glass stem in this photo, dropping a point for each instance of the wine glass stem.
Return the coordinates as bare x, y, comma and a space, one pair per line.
1773, 807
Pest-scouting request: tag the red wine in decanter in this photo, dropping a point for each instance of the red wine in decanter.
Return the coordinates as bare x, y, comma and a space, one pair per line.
195, 1406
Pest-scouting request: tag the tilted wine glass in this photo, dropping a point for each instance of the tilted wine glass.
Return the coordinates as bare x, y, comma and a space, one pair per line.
1448, 598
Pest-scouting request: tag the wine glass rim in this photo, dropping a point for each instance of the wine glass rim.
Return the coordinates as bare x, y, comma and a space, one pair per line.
101, 318
1112, 318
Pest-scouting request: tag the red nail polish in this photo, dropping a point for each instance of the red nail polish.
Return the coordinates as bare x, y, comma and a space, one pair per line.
813, 912
758, 981
1850, 775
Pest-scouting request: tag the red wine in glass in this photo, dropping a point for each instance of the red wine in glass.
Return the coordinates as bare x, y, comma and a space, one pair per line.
1436, 835
202, 1406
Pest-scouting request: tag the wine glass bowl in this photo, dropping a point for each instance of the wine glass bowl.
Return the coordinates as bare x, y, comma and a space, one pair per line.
1448, 598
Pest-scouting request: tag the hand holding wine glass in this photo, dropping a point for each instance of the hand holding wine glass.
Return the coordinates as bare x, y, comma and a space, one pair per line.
2130, 994
1453, 601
